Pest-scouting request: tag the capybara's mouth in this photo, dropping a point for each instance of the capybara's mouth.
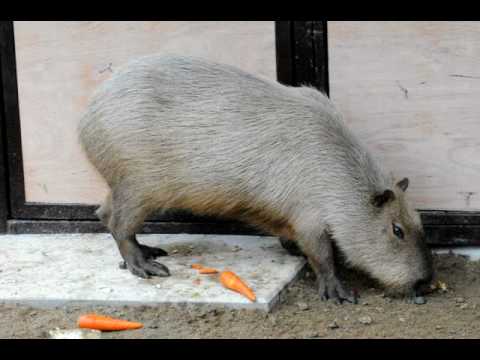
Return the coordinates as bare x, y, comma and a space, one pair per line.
408, 293
418, 298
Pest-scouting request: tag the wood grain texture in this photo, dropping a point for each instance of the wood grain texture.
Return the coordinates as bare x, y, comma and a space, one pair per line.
59, 64
411, 91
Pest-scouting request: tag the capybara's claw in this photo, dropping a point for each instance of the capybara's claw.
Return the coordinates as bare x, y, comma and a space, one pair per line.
332, 289
141, 262
146, 268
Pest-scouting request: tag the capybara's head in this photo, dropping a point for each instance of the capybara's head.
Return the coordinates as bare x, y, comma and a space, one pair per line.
391, 243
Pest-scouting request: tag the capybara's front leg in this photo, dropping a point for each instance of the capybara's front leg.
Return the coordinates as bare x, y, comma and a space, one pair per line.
319, 253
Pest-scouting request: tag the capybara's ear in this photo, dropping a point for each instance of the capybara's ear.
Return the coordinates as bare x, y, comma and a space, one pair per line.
381, 199
403, 184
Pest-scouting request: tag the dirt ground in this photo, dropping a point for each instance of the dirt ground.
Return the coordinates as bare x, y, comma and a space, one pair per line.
454, 313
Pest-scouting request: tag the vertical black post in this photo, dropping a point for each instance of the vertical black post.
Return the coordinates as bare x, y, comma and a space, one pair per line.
320, 56
304, 61
5, 28
11, 120
284, 49
302, 53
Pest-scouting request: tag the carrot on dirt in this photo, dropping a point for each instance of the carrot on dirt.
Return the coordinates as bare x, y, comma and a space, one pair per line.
231, 281
106, 323
197, 266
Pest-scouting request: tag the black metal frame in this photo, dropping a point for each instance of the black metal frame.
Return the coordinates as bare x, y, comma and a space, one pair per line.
302, 53
302, 58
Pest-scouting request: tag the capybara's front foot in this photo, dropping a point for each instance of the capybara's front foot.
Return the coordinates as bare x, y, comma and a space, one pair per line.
330, 288
142, 264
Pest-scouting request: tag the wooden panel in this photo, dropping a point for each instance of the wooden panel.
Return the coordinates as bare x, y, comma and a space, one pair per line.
411, 91
60, 63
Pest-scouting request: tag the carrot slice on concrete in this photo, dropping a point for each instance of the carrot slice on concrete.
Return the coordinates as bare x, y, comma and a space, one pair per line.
206, 270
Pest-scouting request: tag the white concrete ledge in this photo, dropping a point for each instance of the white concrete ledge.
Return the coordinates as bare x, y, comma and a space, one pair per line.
54, 270
472, 253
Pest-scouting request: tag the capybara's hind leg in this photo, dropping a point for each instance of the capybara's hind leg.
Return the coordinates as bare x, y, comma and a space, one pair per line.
290, 246
127, 216
104, 212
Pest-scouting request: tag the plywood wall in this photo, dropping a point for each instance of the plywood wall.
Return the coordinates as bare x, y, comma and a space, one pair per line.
60, 63
411, 90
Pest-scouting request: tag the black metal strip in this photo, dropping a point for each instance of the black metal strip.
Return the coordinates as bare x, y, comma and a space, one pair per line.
4, 190
12, 119
75, 226
303, 53
444, 217
453, 235
437, 235
284, 52
310, 54
320, 56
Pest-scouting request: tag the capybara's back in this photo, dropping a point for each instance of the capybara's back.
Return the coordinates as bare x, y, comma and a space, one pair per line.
179, 132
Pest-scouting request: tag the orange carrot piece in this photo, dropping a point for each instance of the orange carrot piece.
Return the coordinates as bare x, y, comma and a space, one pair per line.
206, 270
197, 266
105, 323
231, 281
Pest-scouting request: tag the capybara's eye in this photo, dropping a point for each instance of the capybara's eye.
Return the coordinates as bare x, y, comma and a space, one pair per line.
397, 231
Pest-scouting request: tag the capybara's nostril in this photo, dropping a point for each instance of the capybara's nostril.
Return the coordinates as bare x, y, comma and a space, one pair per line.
421, 286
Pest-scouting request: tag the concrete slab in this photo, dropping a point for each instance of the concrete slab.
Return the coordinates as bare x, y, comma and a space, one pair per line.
472, 253
60, 269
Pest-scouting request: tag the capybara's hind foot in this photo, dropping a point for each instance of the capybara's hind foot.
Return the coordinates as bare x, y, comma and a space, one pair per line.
152, 252
148, 252
147, 268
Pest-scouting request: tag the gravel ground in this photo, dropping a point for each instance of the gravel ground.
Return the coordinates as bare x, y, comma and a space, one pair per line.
453, 313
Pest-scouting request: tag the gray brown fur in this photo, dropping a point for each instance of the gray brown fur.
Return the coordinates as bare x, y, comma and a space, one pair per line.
179, 132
